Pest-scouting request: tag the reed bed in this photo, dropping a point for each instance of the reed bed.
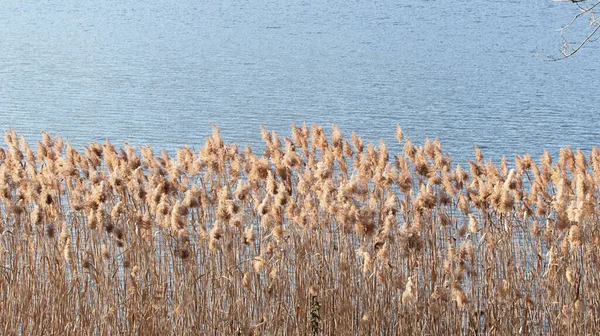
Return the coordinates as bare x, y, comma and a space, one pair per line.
319, 234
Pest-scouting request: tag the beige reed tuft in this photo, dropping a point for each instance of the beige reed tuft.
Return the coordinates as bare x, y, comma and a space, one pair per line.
317, 235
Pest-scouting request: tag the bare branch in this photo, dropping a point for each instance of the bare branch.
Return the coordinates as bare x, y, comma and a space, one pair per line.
569, 49
568, 46
581, 13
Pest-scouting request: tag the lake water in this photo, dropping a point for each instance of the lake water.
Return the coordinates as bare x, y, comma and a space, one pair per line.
160, 72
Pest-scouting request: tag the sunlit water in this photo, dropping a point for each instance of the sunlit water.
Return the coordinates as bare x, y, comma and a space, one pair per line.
161, 72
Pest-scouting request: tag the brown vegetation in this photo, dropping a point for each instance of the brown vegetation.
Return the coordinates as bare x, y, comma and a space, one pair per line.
318, 235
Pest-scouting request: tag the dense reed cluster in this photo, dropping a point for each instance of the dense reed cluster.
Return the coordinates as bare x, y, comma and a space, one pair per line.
317, 235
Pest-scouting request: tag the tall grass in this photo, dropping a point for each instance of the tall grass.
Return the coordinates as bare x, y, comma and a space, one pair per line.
317, 235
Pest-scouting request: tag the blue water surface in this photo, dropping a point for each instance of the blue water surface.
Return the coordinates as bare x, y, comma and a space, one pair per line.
160, 72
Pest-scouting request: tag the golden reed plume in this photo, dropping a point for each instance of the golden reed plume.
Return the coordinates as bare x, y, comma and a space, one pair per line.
317, 235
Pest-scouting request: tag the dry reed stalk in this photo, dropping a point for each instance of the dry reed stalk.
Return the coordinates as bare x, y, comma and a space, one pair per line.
315, 236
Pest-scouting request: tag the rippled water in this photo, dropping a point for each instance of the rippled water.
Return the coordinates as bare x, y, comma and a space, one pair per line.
161, 72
